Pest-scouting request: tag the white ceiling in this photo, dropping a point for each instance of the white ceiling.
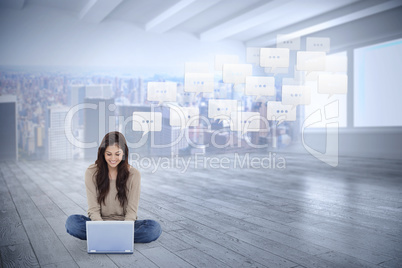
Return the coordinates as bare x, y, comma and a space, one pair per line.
253, 22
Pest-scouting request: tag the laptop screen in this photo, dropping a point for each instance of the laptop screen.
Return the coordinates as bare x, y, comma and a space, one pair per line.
110, 236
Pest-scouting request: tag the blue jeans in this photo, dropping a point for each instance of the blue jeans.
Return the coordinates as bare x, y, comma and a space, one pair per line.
145, 231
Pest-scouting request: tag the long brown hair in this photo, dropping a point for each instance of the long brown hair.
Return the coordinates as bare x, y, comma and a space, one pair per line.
102, 172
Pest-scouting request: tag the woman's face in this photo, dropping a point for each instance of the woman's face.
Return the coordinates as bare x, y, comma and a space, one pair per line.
113, 156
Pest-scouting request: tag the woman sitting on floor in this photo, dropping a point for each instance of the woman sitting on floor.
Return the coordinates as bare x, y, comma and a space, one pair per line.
113, 192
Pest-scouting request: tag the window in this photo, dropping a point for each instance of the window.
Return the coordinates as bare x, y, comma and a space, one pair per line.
377, 85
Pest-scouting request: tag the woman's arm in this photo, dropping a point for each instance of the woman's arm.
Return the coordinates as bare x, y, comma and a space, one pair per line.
133, 198
93, 205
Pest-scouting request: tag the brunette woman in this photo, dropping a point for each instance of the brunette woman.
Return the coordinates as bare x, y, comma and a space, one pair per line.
113, 192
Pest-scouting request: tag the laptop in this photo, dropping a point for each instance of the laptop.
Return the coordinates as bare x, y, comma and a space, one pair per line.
110, 237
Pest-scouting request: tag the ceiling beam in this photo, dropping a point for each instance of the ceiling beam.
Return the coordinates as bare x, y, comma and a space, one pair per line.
97, 10
245, 21
14, 4
167, 14
183, 15
86, 8
270, 38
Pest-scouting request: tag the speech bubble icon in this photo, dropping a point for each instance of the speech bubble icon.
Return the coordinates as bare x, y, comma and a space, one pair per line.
198, 82
274, 58
221, 109
276, 71
318, 44
253, 55
225, 59
236, 73
296, 95
184, 116
187, 97
162, 91
279, 112
287, 41
147, 121
221, 92
311, 76
310, 61
292, 81
332, 84
196, 67
193, 116
336, 64
245, 121
260, 86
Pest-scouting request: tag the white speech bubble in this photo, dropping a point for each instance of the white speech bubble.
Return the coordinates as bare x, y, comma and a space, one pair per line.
336, 64
162, 91
280, 112
260, 86
286, 41
292, 81
332, 84
221, 92
225, 59
276, 71
318, 44
274, 58
311, 76
310, 61
253, 55
333, 63
296, 95
196, 67
221, 109
198, 82
236, 73
147, 121
187, 97
184, 116
245, 121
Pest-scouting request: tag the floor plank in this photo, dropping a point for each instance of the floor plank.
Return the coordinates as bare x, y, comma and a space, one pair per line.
306, 215
78, 250
199, 258
164, 258
137, 259
47, 246
20, 255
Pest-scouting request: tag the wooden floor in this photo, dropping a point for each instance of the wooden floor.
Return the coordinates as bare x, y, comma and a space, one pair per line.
306, 215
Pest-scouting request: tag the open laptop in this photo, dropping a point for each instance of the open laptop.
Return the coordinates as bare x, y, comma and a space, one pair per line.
110, 237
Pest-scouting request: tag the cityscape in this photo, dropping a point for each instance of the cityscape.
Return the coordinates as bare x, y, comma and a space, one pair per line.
44, 97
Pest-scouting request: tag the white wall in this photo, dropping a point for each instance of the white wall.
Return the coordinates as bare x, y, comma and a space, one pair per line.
51, 37
372, 143
375, 142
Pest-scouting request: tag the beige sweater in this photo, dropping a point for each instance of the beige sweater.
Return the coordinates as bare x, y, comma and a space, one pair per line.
113, 210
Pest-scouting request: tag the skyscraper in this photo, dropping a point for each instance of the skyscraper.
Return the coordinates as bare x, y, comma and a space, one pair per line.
76, 95
135, 141
59, 147
8, 130
99, 119
171, 139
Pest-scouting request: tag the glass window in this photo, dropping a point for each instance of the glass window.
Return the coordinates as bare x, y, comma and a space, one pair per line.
377, 85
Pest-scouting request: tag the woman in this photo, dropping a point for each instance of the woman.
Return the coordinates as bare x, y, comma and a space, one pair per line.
113, 192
